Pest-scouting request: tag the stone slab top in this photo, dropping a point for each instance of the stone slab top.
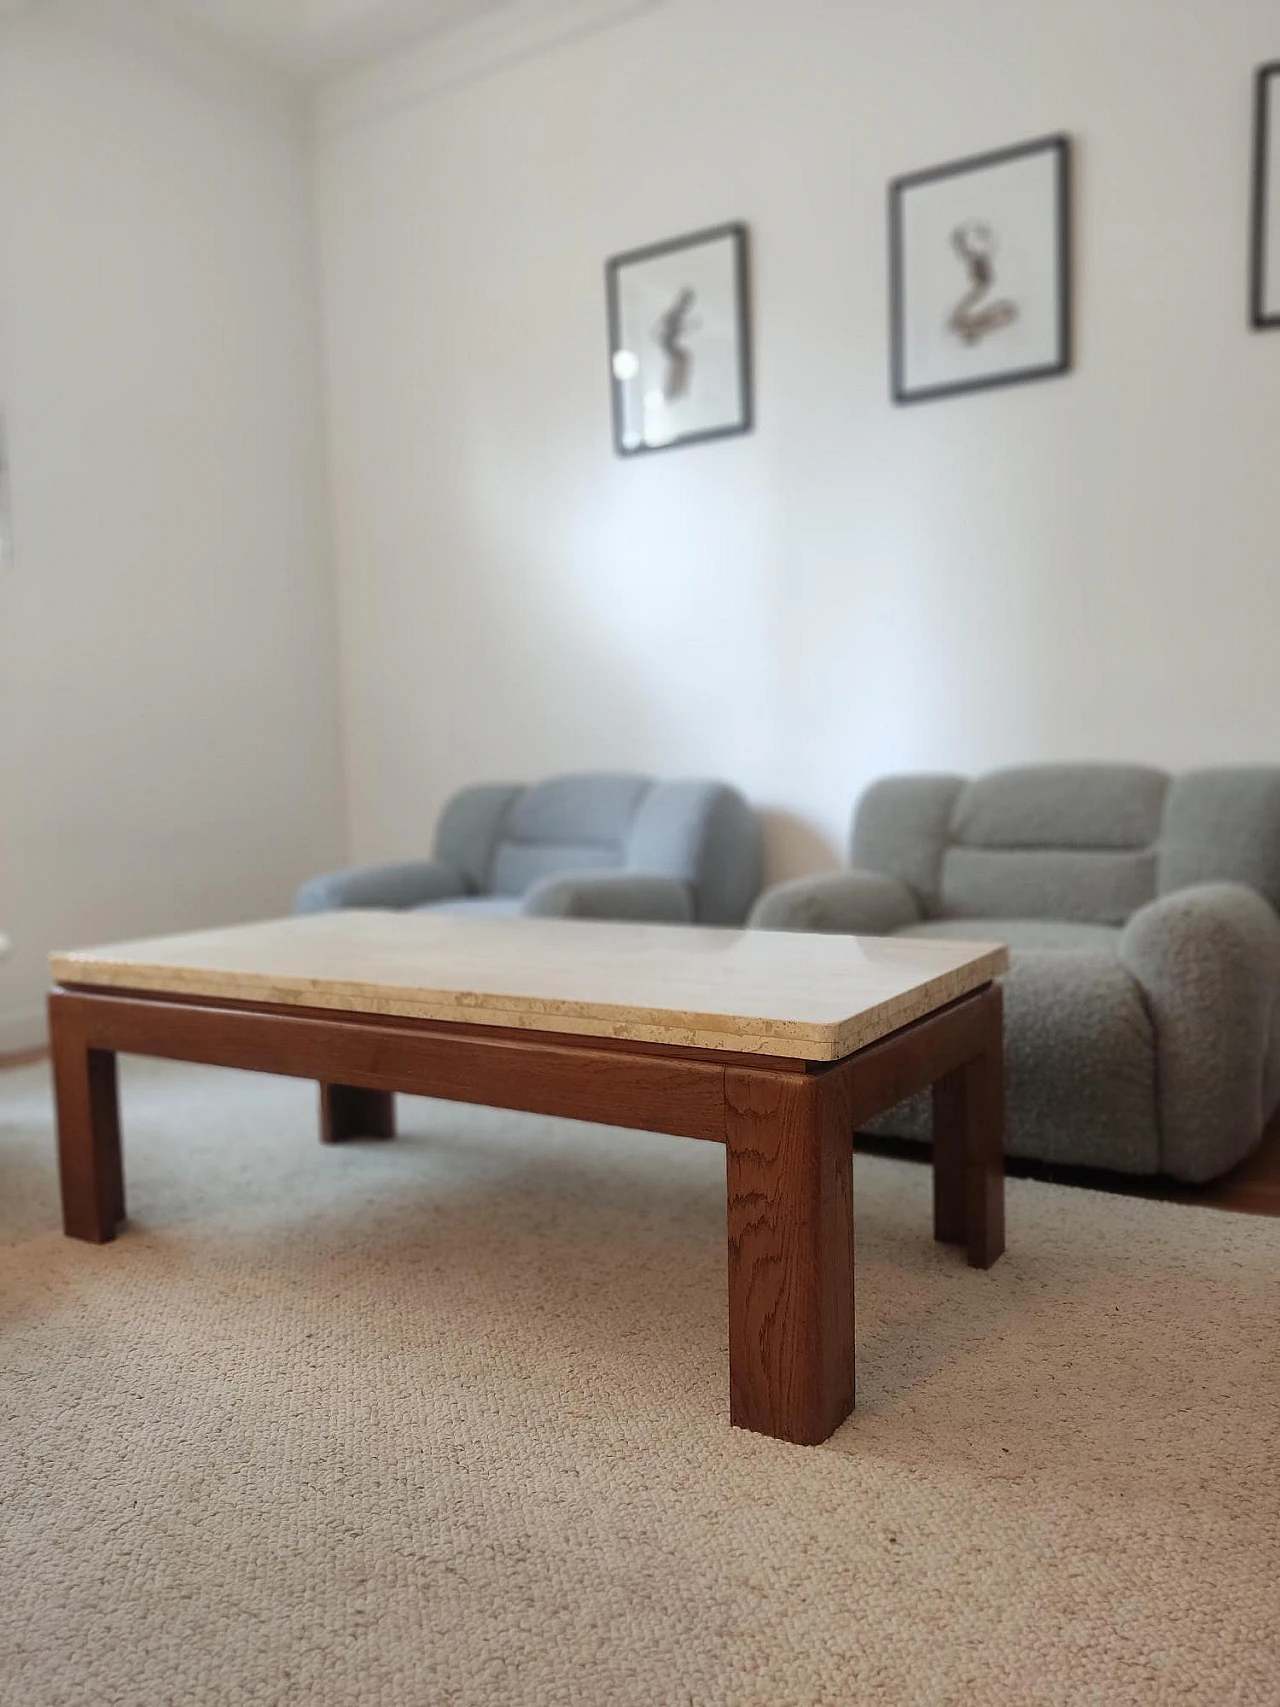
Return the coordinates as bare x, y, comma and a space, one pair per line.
806, 996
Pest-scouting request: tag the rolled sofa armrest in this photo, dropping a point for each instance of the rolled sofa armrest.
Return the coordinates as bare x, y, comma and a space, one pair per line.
411, 884
611, 895
859, 903
1208, 961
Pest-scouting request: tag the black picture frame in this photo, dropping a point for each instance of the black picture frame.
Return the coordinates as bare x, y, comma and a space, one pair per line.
1057, 145
1260, 318
743, 418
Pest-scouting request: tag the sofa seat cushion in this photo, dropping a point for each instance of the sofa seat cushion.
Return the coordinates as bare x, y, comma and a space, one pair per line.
1079, 1044
478, 906
1022, 933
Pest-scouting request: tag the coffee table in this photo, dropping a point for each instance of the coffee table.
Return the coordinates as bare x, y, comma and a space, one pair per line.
775, 1045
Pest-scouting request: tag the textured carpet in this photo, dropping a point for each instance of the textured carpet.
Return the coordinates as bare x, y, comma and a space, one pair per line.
444, 1421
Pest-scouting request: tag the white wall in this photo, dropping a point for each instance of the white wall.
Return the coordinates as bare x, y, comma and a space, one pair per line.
168, 714
1084, 567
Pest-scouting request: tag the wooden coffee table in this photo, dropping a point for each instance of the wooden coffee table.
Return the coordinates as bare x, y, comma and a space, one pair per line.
775, 1045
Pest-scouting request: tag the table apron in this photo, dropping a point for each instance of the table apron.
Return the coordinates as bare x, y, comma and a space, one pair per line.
886, 1073
612, 1086
684, 1098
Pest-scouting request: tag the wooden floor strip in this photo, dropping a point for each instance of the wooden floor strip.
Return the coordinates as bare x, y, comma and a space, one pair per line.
1251, 1188
27, 1058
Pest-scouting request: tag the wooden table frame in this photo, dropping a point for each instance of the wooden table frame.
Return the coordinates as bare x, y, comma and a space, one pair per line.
787, 1127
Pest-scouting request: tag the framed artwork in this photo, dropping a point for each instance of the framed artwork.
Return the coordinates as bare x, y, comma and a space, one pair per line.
980, 271
679, 341
1264, 271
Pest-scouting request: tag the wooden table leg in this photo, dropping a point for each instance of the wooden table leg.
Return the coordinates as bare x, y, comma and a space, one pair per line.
89, 1161
348, 1111
789, 1145
968, 1148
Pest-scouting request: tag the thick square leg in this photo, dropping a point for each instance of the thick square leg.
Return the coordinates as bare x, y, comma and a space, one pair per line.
347, 1111
89, 1161
790, 1191
968, 1147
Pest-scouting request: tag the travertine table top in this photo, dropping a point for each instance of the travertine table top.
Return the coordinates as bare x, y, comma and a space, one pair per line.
812, 997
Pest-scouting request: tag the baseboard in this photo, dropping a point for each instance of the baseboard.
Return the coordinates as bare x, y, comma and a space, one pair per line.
20, 1032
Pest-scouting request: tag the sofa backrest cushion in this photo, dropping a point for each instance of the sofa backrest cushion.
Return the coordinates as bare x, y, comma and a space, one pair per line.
568, 823
504, 838
1223, 826
1090, 886
705, 834
1055, 842
1061, 806
1072, 842
1090, 843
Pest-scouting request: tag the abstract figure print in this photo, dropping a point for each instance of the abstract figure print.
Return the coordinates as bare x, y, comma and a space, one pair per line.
974, 318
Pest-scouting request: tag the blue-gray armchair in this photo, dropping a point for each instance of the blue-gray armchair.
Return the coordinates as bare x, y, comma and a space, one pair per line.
583, 847
1143, 1001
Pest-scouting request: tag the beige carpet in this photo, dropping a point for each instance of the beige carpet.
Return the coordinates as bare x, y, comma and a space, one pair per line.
444, 1421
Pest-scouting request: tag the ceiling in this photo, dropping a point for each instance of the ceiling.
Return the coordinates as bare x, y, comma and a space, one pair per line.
312, 38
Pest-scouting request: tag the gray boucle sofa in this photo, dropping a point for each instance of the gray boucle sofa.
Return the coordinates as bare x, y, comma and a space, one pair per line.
586, 846
1143, 1003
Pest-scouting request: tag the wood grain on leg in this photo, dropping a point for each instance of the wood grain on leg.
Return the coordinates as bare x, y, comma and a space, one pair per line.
790, 1197
351, 1111
968, 1146
89, 1161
